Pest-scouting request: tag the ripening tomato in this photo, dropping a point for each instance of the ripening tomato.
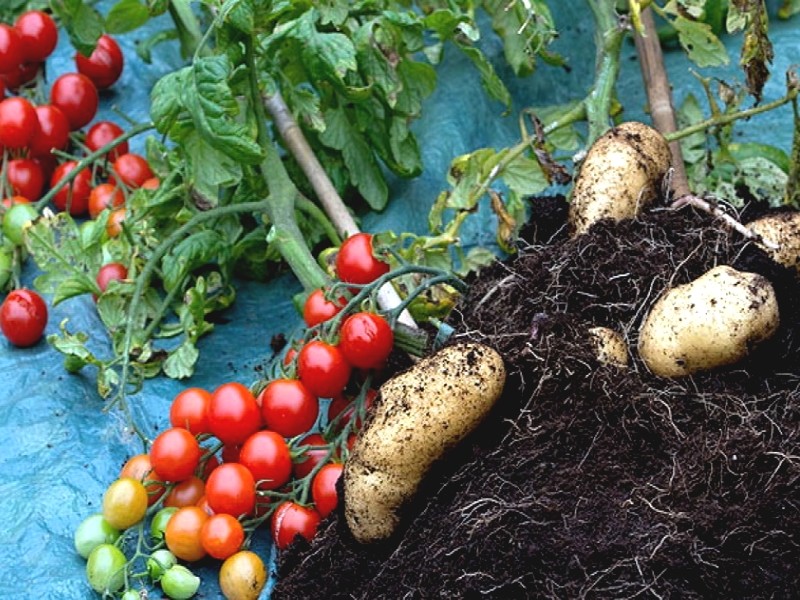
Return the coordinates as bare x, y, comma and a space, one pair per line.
77, 97
18, 122
11, 55
104, 65
151, 184
114, 223
356, 263
124, 503
25, 178
13, 200
203, 504
23, 317
132, 170
323, 488
186, 493
317, 309
20, 76
290, 520
53, 131
222, 536
287, 407
38, 35
103, 196
74, 195
233, 414
138, 467
231, 489
366, 340
189, 410
103, 133
110, 272
266, 455
309, 458
182, 533
175, 454
323, 369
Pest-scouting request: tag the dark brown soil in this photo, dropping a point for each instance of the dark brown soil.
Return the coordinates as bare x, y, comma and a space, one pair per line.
588, 480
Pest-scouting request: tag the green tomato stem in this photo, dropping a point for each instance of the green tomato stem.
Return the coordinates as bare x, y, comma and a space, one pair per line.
314, 211
792, 194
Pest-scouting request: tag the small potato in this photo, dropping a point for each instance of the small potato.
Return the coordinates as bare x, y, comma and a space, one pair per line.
782, 229
710, 322
609, 346
424, 412
621, 174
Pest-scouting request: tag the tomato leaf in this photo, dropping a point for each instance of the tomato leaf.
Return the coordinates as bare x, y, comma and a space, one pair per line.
493, 85
757, 50
701, 45
82, 22
198, 249
181, 361
209, 169
126, 15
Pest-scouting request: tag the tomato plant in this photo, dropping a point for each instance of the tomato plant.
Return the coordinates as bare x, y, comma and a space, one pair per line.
104, 65
18, 217
25, 178
75, 195
10, 48
53, 131
93, 531
158, 524
105, 569
110, 272
175, 454
233, 414
132, 170
291, 519
287, 407
366, 340
18, 122
38, 35
190, 409
124, 503
77, 97
266, 455
356, 263
231, 489
103, 196
323, 488
186, 493
103, 133
23, 317
322, 369
317, 309
306, 460
182, 533
222, 536
138, 467
114, 223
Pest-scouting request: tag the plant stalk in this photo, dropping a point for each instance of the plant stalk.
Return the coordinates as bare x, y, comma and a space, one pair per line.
792, 195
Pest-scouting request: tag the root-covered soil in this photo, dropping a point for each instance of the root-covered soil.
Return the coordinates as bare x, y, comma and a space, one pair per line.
590, 480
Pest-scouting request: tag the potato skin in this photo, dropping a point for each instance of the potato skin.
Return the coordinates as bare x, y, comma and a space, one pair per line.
784, 230
710, 322
424, 412
609, 346
621, 174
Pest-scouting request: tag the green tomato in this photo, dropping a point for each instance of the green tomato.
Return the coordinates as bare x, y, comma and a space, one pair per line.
179, 583
159, 562
131, 595
6, 263
16, 220
93, 531
160, 520
105, 568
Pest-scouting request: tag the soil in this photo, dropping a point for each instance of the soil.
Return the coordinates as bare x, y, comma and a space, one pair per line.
591, 480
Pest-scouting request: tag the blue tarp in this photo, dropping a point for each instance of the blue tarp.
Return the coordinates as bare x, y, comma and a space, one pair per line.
60, 451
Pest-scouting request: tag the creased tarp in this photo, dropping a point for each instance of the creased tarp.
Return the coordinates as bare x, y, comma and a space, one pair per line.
59, 449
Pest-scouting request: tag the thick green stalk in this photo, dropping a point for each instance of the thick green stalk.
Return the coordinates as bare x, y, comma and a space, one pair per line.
792, 197
280, 204
186, 24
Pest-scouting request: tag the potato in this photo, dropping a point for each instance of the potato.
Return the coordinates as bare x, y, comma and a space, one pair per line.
609, 346
782, 229
424, 412
621, 174
710, 322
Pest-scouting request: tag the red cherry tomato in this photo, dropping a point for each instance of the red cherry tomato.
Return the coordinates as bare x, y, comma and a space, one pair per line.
23, 317
104, 65
182, 534
266, 455
18, 122
366, 340
355, 262
114, 224
25, 178
76, 96
24, 73
287, 407
322, 369
103, 196
2, 88
317, 309
222, 536
346, 407
53, 131
233, 414
151, 184
74, 195
323, 488
190, 410
230, 453
38, 35
308, 459
47, 164
103, 133
132, 170
11, 55
110, 272
175, 454
290, 520
231, 489
186, 493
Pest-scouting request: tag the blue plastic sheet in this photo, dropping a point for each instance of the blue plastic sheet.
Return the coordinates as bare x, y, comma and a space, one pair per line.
59, 449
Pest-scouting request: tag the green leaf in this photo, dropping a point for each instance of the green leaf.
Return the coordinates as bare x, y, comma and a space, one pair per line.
693, 147
112, 309
165, 99
326, 56
364, 171
180, 363
70, 287
126, 15
198, 249
242, 16
208, 169
526, 29
418, 81
332, 12
144, 49
788, 9
764, 178
525, 177
214, 109
493, 85
82, 22
702, 46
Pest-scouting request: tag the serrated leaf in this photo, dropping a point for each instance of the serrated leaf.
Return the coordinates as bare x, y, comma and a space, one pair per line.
71, 287
181, 361
418, 81
693, 147
326, 56
208, 169
82, 22
526, 29
112, 309
242, 16
165, 99
764, 178
491, 82
524, 176
306, 107
126, 15
701, 45
200, 248
332, 12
